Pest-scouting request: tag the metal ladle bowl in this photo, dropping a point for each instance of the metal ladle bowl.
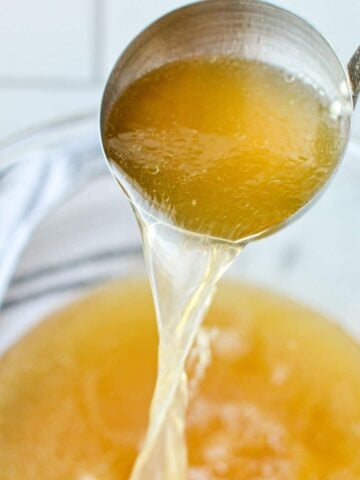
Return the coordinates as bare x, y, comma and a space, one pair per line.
248, 29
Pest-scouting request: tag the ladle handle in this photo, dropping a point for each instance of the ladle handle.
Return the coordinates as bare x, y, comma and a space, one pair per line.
354, 73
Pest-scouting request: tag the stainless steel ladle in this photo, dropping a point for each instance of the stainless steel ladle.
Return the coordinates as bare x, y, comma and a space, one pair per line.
249, 29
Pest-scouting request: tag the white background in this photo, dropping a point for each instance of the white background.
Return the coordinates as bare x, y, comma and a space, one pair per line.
55, 55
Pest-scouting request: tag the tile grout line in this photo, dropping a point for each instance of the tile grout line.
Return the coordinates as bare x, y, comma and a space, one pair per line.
95, 78
14, 83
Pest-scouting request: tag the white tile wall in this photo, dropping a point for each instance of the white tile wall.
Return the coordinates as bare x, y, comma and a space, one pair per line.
55, 55
42, 39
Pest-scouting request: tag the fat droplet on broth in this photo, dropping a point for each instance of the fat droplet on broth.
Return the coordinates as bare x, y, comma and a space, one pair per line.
153, 169
289, 77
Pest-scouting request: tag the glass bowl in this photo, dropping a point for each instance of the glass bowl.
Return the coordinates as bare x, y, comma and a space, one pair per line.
66, 227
